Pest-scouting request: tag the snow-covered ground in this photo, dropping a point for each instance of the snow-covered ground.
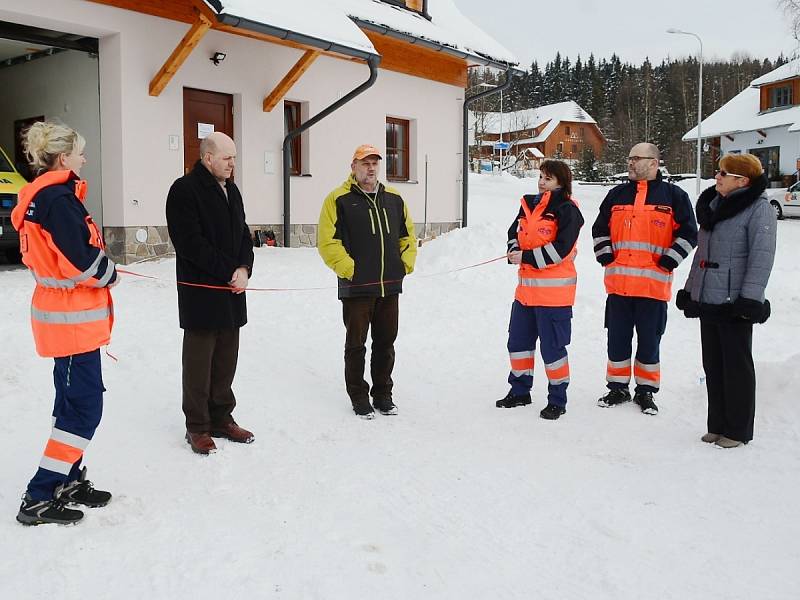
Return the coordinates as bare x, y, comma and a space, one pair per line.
452, 498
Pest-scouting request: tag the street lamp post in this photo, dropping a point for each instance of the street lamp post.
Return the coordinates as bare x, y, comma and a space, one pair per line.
699, 103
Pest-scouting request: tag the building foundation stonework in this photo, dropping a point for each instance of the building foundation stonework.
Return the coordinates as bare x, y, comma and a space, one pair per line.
127, 245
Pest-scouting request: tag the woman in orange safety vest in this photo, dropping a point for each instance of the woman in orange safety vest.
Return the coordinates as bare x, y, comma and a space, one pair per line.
71, 317
542, 241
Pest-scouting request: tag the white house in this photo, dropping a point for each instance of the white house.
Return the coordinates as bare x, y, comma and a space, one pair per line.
763, 119
145, 80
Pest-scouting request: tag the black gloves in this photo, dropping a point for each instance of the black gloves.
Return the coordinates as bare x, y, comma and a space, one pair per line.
605, 259
684, 302
667, 263
750, 310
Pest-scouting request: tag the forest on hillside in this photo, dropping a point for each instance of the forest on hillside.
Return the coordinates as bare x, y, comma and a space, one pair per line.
631, 103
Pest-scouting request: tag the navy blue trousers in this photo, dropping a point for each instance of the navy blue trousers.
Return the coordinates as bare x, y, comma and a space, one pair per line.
552, 327
76, 414
649, 318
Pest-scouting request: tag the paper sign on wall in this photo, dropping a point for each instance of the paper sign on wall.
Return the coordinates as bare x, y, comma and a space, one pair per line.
204, 130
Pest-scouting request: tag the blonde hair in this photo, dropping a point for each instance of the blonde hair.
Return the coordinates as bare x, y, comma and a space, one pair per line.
45, 140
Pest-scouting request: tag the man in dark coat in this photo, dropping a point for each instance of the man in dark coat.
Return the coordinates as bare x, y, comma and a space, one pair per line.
206, 221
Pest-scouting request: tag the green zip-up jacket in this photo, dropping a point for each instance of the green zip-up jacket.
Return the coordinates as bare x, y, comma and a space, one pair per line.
369, 244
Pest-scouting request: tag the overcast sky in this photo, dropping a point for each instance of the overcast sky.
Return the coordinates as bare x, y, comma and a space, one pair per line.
634, 29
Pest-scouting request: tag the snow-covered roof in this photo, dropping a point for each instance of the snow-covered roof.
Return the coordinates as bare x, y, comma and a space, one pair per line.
787, 71
447, 26
552, 114
333, 21
741, 113
322, 20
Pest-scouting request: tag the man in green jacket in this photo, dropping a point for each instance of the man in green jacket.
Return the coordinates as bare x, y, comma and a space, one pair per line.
366, 236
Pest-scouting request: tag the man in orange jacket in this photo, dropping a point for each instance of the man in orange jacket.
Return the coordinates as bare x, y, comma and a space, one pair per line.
645, 228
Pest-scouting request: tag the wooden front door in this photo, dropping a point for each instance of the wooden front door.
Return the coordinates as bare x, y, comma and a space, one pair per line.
203, 112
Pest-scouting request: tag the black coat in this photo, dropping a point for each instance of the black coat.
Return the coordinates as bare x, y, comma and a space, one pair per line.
211, 241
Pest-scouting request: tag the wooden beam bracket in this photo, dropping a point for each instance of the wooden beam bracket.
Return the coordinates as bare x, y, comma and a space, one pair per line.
285, 84
198, 29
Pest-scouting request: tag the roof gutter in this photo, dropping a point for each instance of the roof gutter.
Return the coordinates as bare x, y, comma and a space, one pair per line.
510, 74
373, 61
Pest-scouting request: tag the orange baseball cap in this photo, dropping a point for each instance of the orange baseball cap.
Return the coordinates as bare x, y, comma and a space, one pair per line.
365, 150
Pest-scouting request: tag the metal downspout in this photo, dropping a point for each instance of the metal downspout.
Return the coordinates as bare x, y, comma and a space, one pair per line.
425, 10
465, 150
373, 61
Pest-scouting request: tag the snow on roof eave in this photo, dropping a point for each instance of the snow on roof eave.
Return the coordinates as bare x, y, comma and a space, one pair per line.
476, 57
762, 84
330, 31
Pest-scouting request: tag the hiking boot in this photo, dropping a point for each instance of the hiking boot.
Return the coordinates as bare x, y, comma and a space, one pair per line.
645, 402
385, 407
231, 431
614, 397
201, 443
725, 442
710, 438
81, 491
364, 410
551, 412
511, 401
37, 512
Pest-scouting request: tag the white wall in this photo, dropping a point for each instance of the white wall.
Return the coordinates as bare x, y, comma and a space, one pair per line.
63, 87
139, 167
789, 143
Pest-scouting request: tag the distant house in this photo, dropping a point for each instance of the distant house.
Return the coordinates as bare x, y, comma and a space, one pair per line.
557, 130
145, 80
763, 119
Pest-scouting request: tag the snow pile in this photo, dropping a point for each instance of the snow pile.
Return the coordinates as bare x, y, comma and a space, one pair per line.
450, 499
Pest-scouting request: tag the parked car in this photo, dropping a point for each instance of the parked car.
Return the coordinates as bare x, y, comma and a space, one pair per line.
11, 183
788, 204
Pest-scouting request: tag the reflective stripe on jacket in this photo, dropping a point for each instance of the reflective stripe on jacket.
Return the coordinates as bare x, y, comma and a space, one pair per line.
552, 279
71, 308
644, 230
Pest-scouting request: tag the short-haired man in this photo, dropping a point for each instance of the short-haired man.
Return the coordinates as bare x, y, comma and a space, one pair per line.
206, 221
366, 236
645, 228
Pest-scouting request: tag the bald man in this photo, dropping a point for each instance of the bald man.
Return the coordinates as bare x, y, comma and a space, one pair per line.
645, 229
206, 222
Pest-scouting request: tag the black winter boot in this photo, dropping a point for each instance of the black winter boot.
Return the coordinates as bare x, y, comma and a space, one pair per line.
645, 402
551, 412
385, 406
37, 512
614, 397
511, 401
81, 491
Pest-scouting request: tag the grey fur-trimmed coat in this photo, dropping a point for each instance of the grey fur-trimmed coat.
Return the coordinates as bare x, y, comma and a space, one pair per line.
734, 257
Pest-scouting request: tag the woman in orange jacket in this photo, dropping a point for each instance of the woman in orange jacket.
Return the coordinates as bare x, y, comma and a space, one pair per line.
542, 241
71, 317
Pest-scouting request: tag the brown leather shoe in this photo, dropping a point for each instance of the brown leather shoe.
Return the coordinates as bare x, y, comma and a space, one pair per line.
201, 442
234, 433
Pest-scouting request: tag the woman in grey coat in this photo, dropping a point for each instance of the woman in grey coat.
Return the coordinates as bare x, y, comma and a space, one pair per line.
725, 288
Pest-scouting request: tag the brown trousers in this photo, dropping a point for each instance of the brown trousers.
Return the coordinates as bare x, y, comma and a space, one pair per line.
359, 315
209, 365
